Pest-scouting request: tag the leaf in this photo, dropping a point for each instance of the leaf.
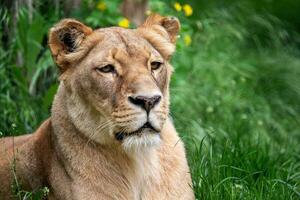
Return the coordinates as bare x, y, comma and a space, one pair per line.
49, 95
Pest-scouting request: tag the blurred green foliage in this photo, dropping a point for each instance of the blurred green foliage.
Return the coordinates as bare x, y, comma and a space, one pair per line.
235, 90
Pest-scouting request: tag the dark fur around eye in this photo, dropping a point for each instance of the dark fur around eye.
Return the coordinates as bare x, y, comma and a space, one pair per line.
155, 65
107, 69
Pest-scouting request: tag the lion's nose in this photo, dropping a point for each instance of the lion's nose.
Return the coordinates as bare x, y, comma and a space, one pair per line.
145, 102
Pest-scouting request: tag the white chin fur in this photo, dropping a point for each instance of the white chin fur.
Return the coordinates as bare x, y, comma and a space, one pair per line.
135, 144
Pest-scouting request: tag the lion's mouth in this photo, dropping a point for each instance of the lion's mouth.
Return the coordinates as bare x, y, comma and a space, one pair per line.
147, 126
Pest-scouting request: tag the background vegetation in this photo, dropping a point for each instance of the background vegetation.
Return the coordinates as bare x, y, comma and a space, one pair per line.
235, 91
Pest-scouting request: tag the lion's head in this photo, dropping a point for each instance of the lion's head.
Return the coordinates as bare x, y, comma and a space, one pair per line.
116, 80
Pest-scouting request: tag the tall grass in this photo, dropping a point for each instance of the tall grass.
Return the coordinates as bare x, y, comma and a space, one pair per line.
236, 104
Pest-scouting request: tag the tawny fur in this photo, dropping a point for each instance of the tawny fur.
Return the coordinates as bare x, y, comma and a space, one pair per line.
74, 153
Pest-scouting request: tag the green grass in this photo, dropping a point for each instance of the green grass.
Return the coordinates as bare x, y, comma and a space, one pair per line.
236, 104
235, 96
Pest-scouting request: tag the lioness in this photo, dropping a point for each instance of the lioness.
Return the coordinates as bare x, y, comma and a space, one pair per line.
109, 135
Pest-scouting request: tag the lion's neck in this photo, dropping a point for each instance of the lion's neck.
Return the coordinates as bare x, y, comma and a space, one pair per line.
83, 156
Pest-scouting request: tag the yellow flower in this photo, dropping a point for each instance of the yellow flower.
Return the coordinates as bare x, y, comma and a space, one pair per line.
148, 12
177, 7
101, 5
188, 10
187, 40
124, 23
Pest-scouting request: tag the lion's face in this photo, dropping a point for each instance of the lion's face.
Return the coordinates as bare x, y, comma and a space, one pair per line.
117, 79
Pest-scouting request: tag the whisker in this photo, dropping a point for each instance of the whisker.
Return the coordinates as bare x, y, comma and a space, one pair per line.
102, 126
123, 108
124, 122
158, 111
124, 114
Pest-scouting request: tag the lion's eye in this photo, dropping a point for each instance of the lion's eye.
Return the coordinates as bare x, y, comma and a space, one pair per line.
155, 65
107, 69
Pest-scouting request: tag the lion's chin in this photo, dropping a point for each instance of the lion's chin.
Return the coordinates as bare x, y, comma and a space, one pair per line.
143, 141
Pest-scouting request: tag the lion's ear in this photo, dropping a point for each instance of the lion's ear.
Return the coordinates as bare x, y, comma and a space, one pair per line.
162, 25
65, 38
165, 27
